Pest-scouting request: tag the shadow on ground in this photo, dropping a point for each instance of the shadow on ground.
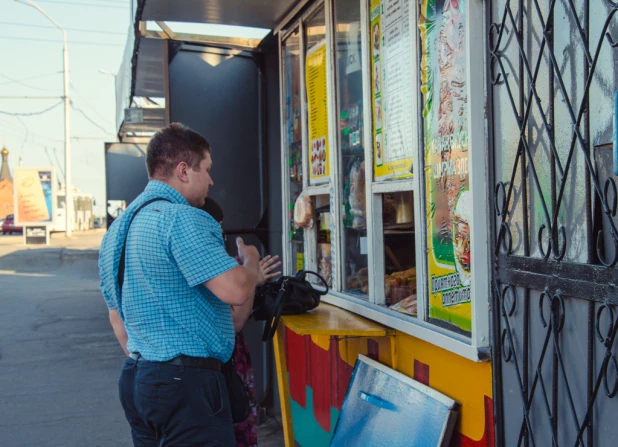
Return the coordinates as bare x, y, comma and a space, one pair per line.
59, 360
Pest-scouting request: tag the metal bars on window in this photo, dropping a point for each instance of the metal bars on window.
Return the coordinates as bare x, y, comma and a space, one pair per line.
551, 73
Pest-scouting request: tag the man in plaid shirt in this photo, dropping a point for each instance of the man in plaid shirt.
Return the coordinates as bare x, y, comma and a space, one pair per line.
172, 316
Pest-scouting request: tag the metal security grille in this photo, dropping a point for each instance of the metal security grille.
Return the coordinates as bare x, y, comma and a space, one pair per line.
552, 74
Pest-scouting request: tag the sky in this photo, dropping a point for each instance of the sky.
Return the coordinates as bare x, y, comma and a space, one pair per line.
31, 65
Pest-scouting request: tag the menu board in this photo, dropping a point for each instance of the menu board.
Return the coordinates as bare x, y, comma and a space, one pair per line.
317, 113
34, 192
449, 201
392, 62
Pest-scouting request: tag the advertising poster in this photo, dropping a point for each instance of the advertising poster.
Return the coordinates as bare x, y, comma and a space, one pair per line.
317, 113
7, 202
393, 105
449, 201
34, 195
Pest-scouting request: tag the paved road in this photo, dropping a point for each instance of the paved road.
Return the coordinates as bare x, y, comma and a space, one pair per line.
59, 360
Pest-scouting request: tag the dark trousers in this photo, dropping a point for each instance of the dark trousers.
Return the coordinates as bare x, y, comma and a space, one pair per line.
169, 405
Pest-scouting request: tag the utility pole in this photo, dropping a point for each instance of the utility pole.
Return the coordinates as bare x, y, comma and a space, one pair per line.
67, 120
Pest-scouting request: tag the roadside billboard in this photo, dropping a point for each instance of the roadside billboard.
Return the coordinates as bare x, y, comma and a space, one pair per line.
35, 192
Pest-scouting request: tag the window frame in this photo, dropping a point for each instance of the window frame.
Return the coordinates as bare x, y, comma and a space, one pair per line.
475, 347
285, 186
299, 24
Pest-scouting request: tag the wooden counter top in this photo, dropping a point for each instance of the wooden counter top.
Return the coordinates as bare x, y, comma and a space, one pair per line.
331, 320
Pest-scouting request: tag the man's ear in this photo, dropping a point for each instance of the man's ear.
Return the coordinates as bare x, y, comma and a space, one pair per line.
181, 171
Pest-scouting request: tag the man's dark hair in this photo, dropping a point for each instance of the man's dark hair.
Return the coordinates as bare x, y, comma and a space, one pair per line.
172, 145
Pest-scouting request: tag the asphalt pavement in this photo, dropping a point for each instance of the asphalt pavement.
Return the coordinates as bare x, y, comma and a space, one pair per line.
59, 359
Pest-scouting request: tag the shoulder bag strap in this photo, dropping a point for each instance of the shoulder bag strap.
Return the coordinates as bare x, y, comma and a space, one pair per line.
324, 283
124, 245
271, 324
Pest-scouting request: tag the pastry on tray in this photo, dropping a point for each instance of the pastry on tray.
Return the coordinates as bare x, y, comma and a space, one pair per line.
407, 306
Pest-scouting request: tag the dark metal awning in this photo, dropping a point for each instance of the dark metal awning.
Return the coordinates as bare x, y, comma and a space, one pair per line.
149, 79
142, 71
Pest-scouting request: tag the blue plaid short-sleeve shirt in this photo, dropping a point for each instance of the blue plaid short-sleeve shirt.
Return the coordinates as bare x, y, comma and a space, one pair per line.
172, 249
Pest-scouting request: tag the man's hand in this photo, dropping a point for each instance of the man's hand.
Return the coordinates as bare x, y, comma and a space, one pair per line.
267, 265
119, 329
240, 314
246, 253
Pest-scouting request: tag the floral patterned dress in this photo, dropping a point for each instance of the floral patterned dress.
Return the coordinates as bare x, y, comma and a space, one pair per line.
246, 431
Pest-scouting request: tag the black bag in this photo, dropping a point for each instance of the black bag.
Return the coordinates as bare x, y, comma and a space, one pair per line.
289, 295
239, 399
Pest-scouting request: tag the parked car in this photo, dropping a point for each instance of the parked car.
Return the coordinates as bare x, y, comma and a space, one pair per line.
8, 226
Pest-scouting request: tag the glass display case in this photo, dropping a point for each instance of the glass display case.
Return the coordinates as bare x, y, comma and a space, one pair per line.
400, 279
293, 144
350, 127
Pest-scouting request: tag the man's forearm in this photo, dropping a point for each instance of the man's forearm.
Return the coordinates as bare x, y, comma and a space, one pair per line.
119, 329
240, 314
251, 266
237, 285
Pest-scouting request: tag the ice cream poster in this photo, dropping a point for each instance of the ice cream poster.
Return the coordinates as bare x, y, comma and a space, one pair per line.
449, 201
317, 113
34, 192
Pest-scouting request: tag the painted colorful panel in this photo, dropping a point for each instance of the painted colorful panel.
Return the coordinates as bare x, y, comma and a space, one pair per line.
319, 369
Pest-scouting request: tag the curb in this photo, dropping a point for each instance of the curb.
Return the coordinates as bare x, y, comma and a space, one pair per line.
68, 255
49, 259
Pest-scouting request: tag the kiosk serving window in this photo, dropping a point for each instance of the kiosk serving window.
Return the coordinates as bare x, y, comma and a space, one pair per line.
293, 148
383, 170
351, 148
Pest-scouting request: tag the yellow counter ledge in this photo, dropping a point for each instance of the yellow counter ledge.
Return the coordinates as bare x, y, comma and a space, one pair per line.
330, 320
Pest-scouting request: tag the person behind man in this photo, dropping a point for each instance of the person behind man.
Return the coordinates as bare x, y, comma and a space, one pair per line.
245, 431
178, 286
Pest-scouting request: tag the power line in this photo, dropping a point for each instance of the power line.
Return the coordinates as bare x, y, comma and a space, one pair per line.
30, 97
10, 127
58, 165
83, 4
26, 134
17, 81
31, 77
89, 119
51, 162
31, 113
23, 143
80, 30
9, 130
121, 2
76, 42
88, 104
58, 161
21, 149
6, 126
78, 138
